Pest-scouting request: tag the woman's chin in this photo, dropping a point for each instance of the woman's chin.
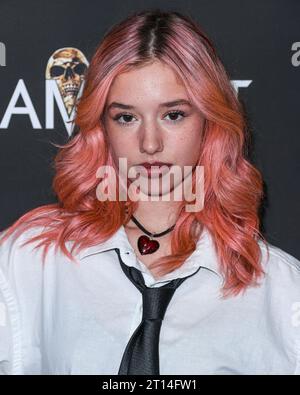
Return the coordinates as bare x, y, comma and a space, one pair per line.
148, 192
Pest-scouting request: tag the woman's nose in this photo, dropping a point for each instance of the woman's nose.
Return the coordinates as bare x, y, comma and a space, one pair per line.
150, 140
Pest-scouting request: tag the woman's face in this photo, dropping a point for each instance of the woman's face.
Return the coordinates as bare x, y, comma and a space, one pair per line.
144, 124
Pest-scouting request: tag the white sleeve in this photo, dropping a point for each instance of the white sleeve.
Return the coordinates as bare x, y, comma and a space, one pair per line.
10, 330
10, 327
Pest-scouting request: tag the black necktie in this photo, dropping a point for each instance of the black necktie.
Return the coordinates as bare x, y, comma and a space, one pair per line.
141, 355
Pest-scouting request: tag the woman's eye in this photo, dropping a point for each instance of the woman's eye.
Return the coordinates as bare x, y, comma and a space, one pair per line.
174, 114
126, 119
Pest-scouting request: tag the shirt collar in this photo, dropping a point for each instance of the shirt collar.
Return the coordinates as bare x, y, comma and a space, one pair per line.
204, 254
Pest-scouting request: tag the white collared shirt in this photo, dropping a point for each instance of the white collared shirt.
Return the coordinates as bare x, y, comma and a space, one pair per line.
77, 318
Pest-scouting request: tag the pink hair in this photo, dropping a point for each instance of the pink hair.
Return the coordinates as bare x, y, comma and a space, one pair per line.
233, 187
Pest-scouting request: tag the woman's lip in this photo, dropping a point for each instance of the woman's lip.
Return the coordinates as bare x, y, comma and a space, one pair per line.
155, 169
150, 165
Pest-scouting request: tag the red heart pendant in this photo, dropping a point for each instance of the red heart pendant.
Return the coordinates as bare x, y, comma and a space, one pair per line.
147, 246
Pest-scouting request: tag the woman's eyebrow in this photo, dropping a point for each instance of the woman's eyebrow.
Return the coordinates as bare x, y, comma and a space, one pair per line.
167, 104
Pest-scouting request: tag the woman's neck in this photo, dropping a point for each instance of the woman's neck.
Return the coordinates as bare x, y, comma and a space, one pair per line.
156, 216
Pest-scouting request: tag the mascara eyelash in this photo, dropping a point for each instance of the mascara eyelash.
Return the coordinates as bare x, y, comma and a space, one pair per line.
118, 116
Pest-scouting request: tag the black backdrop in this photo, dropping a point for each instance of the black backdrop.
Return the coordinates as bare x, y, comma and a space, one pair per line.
258, 41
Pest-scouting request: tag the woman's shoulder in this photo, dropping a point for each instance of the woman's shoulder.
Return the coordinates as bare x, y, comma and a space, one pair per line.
22, 259
279, 259
282, 269
12, 250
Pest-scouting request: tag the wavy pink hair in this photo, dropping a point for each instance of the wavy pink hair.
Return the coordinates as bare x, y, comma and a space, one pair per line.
233, 188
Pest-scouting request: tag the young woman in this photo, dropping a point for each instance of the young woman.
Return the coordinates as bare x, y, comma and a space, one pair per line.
137, 286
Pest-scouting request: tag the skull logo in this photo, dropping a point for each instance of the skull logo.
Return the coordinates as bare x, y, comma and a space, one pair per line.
67, 66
